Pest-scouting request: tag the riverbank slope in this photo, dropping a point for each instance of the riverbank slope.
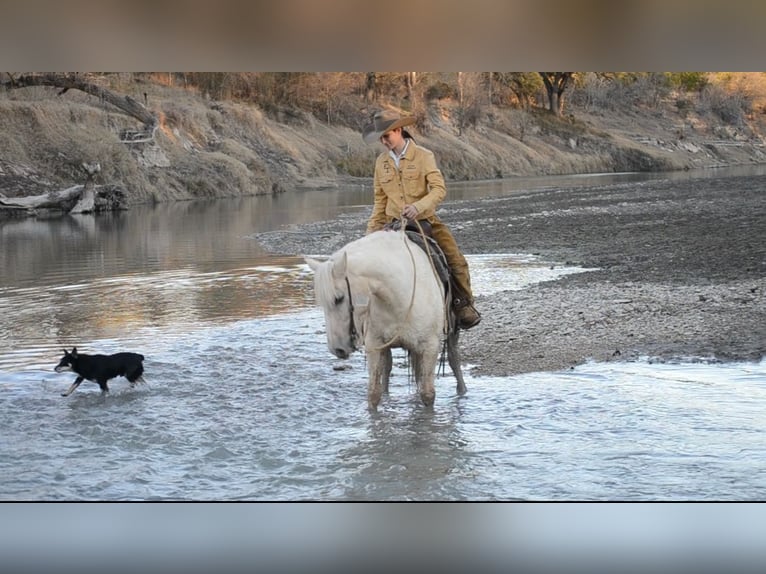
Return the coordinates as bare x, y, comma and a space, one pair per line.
205, 148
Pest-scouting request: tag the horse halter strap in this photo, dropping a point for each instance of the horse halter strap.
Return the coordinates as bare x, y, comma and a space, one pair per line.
352, 325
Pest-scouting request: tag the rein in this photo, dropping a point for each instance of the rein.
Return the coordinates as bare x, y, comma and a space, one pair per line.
414, 284
436, 274
352, 326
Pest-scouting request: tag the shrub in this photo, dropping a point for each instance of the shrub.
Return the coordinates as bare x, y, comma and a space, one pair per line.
688, 81
356, 165
730, 107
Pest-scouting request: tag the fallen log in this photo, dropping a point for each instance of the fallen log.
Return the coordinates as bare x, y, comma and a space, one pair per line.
52, 200
85, 198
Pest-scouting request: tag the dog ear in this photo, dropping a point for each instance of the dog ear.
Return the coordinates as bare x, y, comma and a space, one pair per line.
74, 352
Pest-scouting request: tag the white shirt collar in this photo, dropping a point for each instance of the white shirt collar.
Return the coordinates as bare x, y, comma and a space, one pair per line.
396, 157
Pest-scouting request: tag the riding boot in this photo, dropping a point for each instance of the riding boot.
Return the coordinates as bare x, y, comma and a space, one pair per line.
466, 313
460, 279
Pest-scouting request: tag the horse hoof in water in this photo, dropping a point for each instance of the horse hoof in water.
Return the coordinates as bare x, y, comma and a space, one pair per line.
373, 400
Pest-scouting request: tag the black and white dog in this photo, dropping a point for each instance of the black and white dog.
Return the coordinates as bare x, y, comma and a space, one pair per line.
101, 368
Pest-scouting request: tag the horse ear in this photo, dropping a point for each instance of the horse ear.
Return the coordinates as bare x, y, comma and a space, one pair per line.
339, 267
312, 263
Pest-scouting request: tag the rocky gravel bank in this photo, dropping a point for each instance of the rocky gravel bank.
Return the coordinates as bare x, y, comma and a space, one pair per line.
681, 272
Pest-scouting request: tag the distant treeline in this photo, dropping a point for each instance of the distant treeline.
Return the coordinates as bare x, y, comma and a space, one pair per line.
347, 98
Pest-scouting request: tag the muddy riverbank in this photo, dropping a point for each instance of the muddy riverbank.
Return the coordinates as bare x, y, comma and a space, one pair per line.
681, 272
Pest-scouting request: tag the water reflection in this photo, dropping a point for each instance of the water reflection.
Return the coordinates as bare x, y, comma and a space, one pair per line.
433, 438
208, 235
127, 306
501, 187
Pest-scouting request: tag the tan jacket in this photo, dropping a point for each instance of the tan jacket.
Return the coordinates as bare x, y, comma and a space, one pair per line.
417, 181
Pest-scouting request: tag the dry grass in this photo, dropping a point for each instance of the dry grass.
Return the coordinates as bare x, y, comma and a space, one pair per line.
56, 138
207, 148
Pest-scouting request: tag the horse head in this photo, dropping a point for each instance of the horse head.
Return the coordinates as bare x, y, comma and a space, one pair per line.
344, 310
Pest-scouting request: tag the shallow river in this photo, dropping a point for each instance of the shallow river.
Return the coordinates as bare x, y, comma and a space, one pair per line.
244, 401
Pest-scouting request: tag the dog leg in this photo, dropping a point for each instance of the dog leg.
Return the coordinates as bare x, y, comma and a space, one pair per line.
71, 389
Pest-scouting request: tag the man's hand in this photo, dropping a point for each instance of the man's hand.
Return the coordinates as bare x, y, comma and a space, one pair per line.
410, 211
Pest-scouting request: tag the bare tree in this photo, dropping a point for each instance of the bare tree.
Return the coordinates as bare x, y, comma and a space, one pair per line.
489, 90
470, 98
411, 79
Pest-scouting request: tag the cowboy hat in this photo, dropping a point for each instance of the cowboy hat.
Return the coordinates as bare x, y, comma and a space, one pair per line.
382, 123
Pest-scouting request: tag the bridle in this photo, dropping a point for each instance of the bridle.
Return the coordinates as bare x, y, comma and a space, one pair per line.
352, 326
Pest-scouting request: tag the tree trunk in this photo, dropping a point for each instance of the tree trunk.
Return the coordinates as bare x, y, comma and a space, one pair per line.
411, 79
371, 88
555, 102
77, 81
461, 104
87, 202
550, 90
555, 84
489, 90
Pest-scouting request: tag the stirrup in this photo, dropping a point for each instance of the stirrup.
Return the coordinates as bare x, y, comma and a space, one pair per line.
466, 323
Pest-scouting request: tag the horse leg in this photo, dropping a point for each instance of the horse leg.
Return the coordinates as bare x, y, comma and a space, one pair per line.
425, 371
376, 365
453, 356
386, 365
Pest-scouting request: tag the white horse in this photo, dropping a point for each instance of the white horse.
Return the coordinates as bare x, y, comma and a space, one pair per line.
382, 291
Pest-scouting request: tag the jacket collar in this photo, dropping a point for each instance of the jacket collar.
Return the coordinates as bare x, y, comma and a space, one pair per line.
409, 152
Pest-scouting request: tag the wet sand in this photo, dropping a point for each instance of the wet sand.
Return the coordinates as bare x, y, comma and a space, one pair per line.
681, 272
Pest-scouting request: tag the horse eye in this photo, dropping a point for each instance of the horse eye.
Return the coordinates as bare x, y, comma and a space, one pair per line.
339, 299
